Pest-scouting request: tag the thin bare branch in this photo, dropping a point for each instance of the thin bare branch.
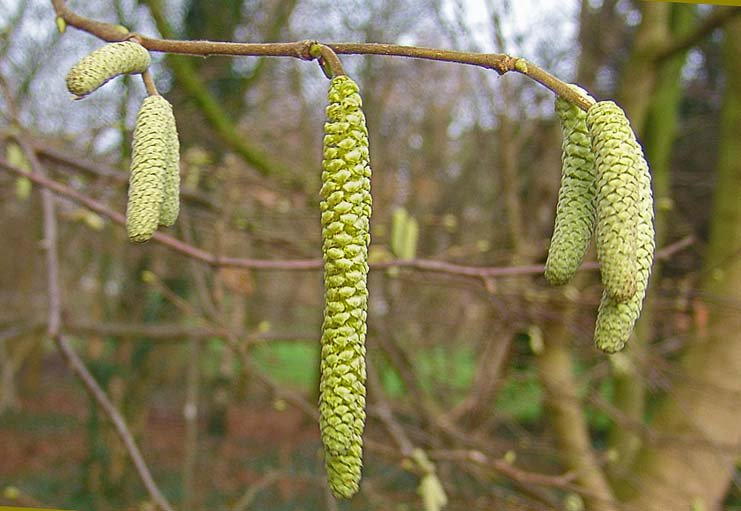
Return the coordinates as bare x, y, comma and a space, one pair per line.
54, 323
423, 265
715, 20
100, 170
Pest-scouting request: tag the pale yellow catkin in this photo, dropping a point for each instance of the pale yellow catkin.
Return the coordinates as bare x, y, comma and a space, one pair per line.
616, 156
615, 320
346, 209
149, 160
575, 212
105, 63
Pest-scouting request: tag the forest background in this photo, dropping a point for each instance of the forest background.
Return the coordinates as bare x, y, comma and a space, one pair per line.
480, 374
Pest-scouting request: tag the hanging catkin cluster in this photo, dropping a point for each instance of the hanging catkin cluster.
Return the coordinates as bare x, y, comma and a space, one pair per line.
575, 212
345, 216
154, 180
105, 63
154, 183
625, 231
605, 189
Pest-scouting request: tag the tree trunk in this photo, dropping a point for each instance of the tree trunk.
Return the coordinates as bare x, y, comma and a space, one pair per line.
567, 417
657, 136
696, 426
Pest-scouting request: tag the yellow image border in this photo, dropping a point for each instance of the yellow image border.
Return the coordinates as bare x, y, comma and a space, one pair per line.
736, 3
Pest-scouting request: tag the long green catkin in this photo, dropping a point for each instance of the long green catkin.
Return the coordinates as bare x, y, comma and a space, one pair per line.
615, 320
170, 208
345, 217
575, 212
617, 164
149, 160
106, 63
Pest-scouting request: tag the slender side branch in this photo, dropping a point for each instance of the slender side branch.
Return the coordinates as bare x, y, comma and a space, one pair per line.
54, 325
119, 423
423, 265
327, 59
715, 20
149, 83
119, 177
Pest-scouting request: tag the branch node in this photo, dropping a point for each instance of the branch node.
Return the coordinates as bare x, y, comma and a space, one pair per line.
503, 63
303, 50
521, 65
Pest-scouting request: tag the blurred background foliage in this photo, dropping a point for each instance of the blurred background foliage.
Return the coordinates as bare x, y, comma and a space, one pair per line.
466, 170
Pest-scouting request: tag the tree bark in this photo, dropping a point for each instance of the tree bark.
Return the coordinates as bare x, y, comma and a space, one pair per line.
567, 418
697, 424
639, 74
658, 134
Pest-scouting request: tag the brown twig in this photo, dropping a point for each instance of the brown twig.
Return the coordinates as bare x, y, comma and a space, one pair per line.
119, 423
99, 170
149, 83
328, 60
503, 467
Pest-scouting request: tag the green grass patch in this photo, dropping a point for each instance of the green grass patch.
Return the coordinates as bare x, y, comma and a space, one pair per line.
37, 422
290, 362
521, 398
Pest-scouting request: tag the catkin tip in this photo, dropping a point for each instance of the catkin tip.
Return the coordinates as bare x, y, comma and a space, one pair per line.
344, 473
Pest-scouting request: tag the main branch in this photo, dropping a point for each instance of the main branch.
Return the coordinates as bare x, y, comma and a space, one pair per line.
499, 62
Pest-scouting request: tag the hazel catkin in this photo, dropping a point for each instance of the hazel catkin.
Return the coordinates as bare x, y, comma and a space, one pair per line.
615, 320
106, 63
617, 158
149, 160
575, 212
345, 216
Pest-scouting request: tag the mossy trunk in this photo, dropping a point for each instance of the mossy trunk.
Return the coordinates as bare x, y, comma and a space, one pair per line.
697, 434
658, 135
